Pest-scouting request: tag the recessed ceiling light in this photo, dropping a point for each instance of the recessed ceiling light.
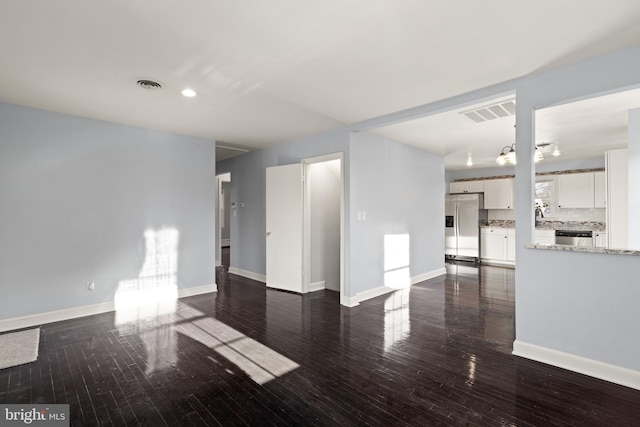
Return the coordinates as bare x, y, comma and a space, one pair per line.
189, 93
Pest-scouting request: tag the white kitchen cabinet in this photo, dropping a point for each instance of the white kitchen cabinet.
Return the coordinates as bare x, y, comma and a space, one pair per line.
600, 239
466, 187
511, 245
493, 243
575, 190
498, 193
545, 237
600, 189
497, 245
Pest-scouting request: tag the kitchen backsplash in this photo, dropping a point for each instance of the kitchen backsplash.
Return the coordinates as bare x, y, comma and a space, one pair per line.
501, 214
571, 225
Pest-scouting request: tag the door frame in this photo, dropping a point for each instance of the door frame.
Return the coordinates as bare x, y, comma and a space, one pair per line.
218, 222
306, 227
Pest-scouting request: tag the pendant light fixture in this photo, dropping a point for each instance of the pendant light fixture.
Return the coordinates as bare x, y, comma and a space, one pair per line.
508, 155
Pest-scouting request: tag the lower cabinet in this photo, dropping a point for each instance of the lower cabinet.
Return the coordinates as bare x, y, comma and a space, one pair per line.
600, 239
498, 245
511, 245
545, 237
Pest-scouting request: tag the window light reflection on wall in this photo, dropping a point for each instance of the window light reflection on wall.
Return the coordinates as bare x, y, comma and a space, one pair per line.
397, 273
155, 291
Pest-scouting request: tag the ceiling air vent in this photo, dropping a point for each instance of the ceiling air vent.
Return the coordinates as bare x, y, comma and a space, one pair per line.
149, 84
491, 112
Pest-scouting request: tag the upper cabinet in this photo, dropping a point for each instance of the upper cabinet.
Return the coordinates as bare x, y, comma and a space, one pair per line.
576, 190
466, 187
498, 193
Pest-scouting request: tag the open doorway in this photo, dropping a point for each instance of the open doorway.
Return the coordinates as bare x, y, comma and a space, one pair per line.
323, 229
224, 220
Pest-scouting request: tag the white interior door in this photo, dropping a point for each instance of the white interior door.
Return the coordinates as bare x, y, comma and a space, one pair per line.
284, 227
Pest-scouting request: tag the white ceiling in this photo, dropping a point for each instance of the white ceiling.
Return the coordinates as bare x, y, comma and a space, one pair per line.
581, 130
271, 71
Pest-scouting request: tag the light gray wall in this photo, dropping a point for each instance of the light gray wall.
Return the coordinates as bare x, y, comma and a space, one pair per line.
580, 303
324, 183
634, 178
248, 186
226, 194
534, 276
76, 198
401, 189
560, 296
393, 182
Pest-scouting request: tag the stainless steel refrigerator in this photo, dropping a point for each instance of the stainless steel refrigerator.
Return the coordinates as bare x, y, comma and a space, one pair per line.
463, 213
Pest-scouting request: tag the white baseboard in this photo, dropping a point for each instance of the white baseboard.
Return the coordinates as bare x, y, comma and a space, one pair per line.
85, 310
372, 293
429, 275
197, 290
381, 290
248, 274
349, 301
593, 368
55, 316
317, 286
498, 262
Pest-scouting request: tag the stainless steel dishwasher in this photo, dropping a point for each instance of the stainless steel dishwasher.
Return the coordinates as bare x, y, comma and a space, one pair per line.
574, 238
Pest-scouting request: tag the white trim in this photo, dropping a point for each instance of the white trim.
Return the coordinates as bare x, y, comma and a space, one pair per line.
429, 275
498, 262
317, 286
594, 368
55, 316
373, 293
381, 290
197, 290
349, 301
248, 274
225, 242
84, 310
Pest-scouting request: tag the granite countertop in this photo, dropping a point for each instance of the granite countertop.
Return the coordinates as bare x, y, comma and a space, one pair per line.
589, 249
550, 225
497, 223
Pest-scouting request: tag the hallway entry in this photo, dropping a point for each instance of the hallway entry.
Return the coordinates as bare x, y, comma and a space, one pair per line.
323, 181
223, 197
304, 225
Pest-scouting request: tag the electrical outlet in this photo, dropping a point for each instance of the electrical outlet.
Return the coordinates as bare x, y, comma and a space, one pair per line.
91, 286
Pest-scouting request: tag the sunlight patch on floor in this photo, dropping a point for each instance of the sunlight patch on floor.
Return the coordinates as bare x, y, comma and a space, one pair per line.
258, 361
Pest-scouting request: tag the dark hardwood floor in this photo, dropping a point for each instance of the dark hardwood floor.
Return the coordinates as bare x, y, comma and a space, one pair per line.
435, 354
